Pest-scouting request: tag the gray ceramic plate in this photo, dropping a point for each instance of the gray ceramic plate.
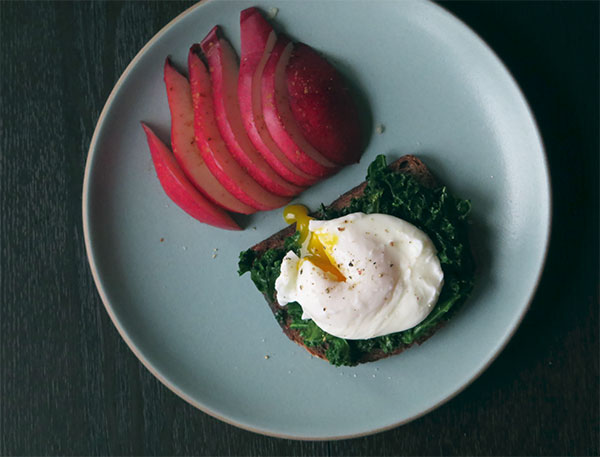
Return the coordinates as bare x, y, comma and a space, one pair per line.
203, 331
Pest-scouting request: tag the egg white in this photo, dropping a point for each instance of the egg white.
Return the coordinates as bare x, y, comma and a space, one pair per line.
393, 277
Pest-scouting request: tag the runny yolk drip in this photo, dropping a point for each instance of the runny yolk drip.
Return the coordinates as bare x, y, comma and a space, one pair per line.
320, 245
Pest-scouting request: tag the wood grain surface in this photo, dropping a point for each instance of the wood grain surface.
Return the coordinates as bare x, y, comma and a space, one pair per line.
70, 386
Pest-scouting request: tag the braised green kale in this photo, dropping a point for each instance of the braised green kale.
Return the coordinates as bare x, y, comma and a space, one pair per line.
435, 211
265, 270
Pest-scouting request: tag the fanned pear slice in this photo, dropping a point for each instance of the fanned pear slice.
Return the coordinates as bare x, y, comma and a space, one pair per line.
224, 71
279, 118
184, 146
214, 151
323, 107
180, 190
258, 39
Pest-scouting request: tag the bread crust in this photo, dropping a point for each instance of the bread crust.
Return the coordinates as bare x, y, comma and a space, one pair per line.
406, 164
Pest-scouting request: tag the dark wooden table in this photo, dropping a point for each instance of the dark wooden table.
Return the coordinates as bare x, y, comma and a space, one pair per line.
70, 385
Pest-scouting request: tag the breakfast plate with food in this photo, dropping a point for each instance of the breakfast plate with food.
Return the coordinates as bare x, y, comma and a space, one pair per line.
316, 219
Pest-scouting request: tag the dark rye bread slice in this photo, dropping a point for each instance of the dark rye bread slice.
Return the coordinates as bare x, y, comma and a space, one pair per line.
407, 164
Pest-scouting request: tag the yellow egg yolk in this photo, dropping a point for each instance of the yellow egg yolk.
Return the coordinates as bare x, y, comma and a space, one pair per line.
320, 245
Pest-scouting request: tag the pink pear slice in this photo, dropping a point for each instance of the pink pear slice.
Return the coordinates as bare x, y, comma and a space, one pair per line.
323, 107
184, 146
179, 189
258, 39
279, 118
224, 70
214, 151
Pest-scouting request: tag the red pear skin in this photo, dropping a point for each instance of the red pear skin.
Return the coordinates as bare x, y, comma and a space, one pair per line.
323, 107
279, 118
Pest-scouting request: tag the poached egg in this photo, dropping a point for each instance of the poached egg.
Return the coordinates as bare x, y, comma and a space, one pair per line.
362, 275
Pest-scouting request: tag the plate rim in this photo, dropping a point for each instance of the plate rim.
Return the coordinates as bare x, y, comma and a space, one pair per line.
132, 346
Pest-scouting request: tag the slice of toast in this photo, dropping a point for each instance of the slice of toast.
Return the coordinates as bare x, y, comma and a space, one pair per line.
407, 164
